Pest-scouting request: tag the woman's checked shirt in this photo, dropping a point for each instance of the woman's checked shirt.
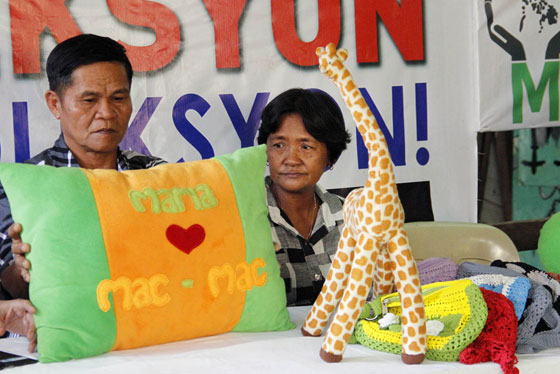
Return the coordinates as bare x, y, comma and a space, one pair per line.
304, 264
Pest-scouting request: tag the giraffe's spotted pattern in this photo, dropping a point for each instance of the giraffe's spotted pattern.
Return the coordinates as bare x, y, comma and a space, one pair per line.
373, 245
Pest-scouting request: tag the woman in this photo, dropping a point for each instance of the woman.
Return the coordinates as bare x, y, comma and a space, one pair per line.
305, 134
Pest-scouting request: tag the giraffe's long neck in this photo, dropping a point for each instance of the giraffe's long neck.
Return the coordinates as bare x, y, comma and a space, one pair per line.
379, 162
368, 127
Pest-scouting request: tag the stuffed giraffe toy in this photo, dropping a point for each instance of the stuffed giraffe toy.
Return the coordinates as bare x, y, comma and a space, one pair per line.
373, 244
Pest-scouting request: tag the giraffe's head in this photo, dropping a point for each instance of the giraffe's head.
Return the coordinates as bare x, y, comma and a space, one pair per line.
331, 60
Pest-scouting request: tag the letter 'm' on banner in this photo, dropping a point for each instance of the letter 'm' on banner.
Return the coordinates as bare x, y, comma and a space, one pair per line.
521, 77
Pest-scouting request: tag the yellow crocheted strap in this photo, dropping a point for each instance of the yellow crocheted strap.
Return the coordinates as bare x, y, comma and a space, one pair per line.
472, 323
387, 336
430, 291
458, 304
392, 337
449, 300
440, 299
438, 342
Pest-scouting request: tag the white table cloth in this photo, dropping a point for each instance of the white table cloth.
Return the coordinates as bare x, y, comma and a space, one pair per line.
286, 352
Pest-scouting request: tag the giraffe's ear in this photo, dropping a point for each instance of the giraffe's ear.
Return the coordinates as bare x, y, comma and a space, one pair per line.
342, 53
331, 48
319, 51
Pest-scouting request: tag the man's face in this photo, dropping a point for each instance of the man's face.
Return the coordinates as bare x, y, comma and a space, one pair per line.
94, 110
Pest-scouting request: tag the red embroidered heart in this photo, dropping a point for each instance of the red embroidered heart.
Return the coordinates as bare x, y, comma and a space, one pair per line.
185, 240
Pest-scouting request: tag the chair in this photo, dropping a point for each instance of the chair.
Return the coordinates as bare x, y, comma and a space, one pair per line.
474, 242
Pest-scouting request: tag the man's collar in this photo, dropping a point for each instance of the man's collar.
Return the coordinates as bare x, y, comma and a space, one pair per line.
60, 143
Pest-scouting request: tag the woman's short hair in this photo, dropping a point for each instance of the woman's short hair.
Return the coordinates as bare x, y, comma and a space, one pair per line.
319, 112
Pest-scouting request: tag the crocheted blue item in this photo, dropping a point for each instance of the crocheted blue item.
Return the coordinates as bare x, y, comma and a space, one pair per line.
536, 275
540, 326
515, 289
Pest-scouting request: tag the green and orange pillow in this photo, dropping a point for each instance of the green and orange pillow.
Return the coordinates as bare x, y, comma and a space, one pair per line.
127, 259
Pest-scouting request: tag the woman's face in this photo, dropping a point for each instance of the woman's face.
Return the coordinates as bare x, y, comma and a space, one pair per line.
297, 160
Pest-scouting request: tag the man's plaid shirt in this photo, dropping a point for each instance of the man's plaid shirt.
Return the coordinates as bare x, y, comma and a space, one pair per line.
304, 264
59, 156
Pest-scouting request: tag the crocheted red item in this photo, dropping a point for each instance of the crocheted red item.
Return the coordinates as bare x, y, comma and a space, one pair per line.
497, 340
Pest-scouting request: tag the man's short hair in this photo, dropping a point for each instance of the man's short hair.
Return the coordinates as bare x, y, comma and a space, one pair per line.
82, 50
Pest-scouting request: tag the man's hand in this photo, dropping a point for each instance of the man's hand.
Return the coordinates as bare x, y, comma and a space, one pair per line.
19, 249
30, 331
15, 278
17, 316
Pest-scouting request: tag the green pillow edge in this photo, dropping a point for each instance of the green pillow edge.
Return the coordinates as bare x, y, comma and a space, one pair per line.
265, 307
94, 331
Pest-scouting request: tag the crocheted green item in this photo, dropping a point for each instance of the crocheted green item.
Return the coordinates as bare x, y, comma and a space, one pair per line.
458, 304
450, 324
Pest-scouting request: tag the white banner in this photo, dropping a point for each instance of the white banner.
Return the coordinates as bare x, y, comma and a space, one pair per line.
518, 48
204, 69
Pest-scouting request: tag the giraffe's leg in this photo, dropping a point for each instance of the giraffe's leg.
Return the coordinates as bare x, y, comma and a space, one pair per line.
349, 309
383, 276
408, 285
334, 286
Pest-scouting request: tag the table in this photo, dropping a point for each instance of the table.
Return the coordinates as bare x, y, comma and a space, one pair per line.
286, 352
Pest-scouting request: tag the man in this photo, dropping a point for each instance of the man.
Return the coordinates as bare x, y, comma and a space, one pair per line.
17, 315
89, 93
